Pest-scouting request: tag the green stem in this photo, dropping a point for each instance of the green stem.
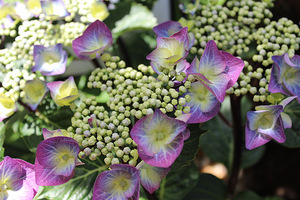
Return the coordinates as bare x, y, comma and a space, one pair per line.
237, 139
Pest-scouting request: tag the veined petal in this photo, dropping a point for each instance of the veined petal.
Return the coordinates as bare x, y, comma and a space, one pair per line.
234, 67
151, 176
94, 40
154, 132
121, 182
204, 105
35, 91
254, 138
286, 119
166, 29
275, 132
166, 156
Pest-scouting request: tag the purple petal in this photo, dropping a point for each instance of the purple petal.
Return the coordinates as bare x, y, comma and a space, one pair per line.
151, 176
49, 134
276, 132
286, 101
94, 40
204, 105
49, 60
286, 119
47, 177
234, 67
167, 28
254, 138
154, 132
166, 156
182, 36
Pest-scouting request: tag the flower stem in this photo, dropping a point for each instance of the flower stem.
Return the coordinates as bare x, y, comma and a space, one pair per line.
237, 139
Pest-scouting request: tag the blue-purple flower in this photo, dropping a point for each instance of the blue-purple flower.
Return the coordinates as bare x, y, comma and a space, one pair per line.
49, 60
216, 70
285, 75
56, 158
159, 138
17, 179
263, 125
119, 183
94, 40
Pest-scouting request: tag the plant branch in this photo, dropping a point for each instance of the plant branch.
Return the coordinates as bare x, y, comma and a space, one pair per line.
237, 130
2, 46
124, 51
223, 118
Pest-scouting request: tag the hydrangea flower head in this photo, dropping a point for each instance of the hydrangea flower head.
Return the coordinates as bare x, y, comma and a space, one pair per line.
17, 179
285, 75
56, 158
94, 40
49, 60
35, 90
263, 125
121, 182
54, 8
63, 92
159, 138
170, 51
7, 106
217, 70
204, 104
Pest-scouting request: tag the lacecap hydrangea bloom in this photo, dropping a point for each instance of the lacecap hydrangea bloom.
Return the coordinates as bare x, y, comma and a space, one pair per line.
159, 138
285, 75
56, 158
63, 92
95, 39
17, 179
49, 60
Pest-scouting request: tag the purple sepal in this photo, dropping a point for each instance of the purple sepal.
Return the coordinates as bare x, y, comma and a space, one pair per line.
150, 176
121, 182
204, 105
94, 40
49, 61
166, 29
56, 159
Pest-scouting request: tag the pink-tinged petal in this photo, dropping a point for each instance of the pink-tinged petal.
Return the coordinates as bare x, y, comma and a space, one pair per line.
182, 66
46, 177
186, 134
54, 8
94, 40
255, 139
234, 67
166, 29
35, 91
296, 60
155, 131
63, 92
151, 176
286, 119
184, 117
49, 60
49, 134
204, 105
194, 67
10, 170
212, 61
92, 121
166, 156
182, 36
121, 182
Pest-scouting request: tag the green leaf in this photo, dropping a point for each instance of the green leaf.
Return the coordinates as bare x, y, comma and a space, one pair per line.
190, 149
139, 17
208, 187
293, 134
178, 184
2, 137
80, 187
247, 195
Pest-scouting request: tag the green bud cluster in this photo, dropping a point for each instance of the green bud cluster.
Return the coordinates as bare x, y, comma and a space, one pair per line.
277, 38
107, 134
230, 26
137, 92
